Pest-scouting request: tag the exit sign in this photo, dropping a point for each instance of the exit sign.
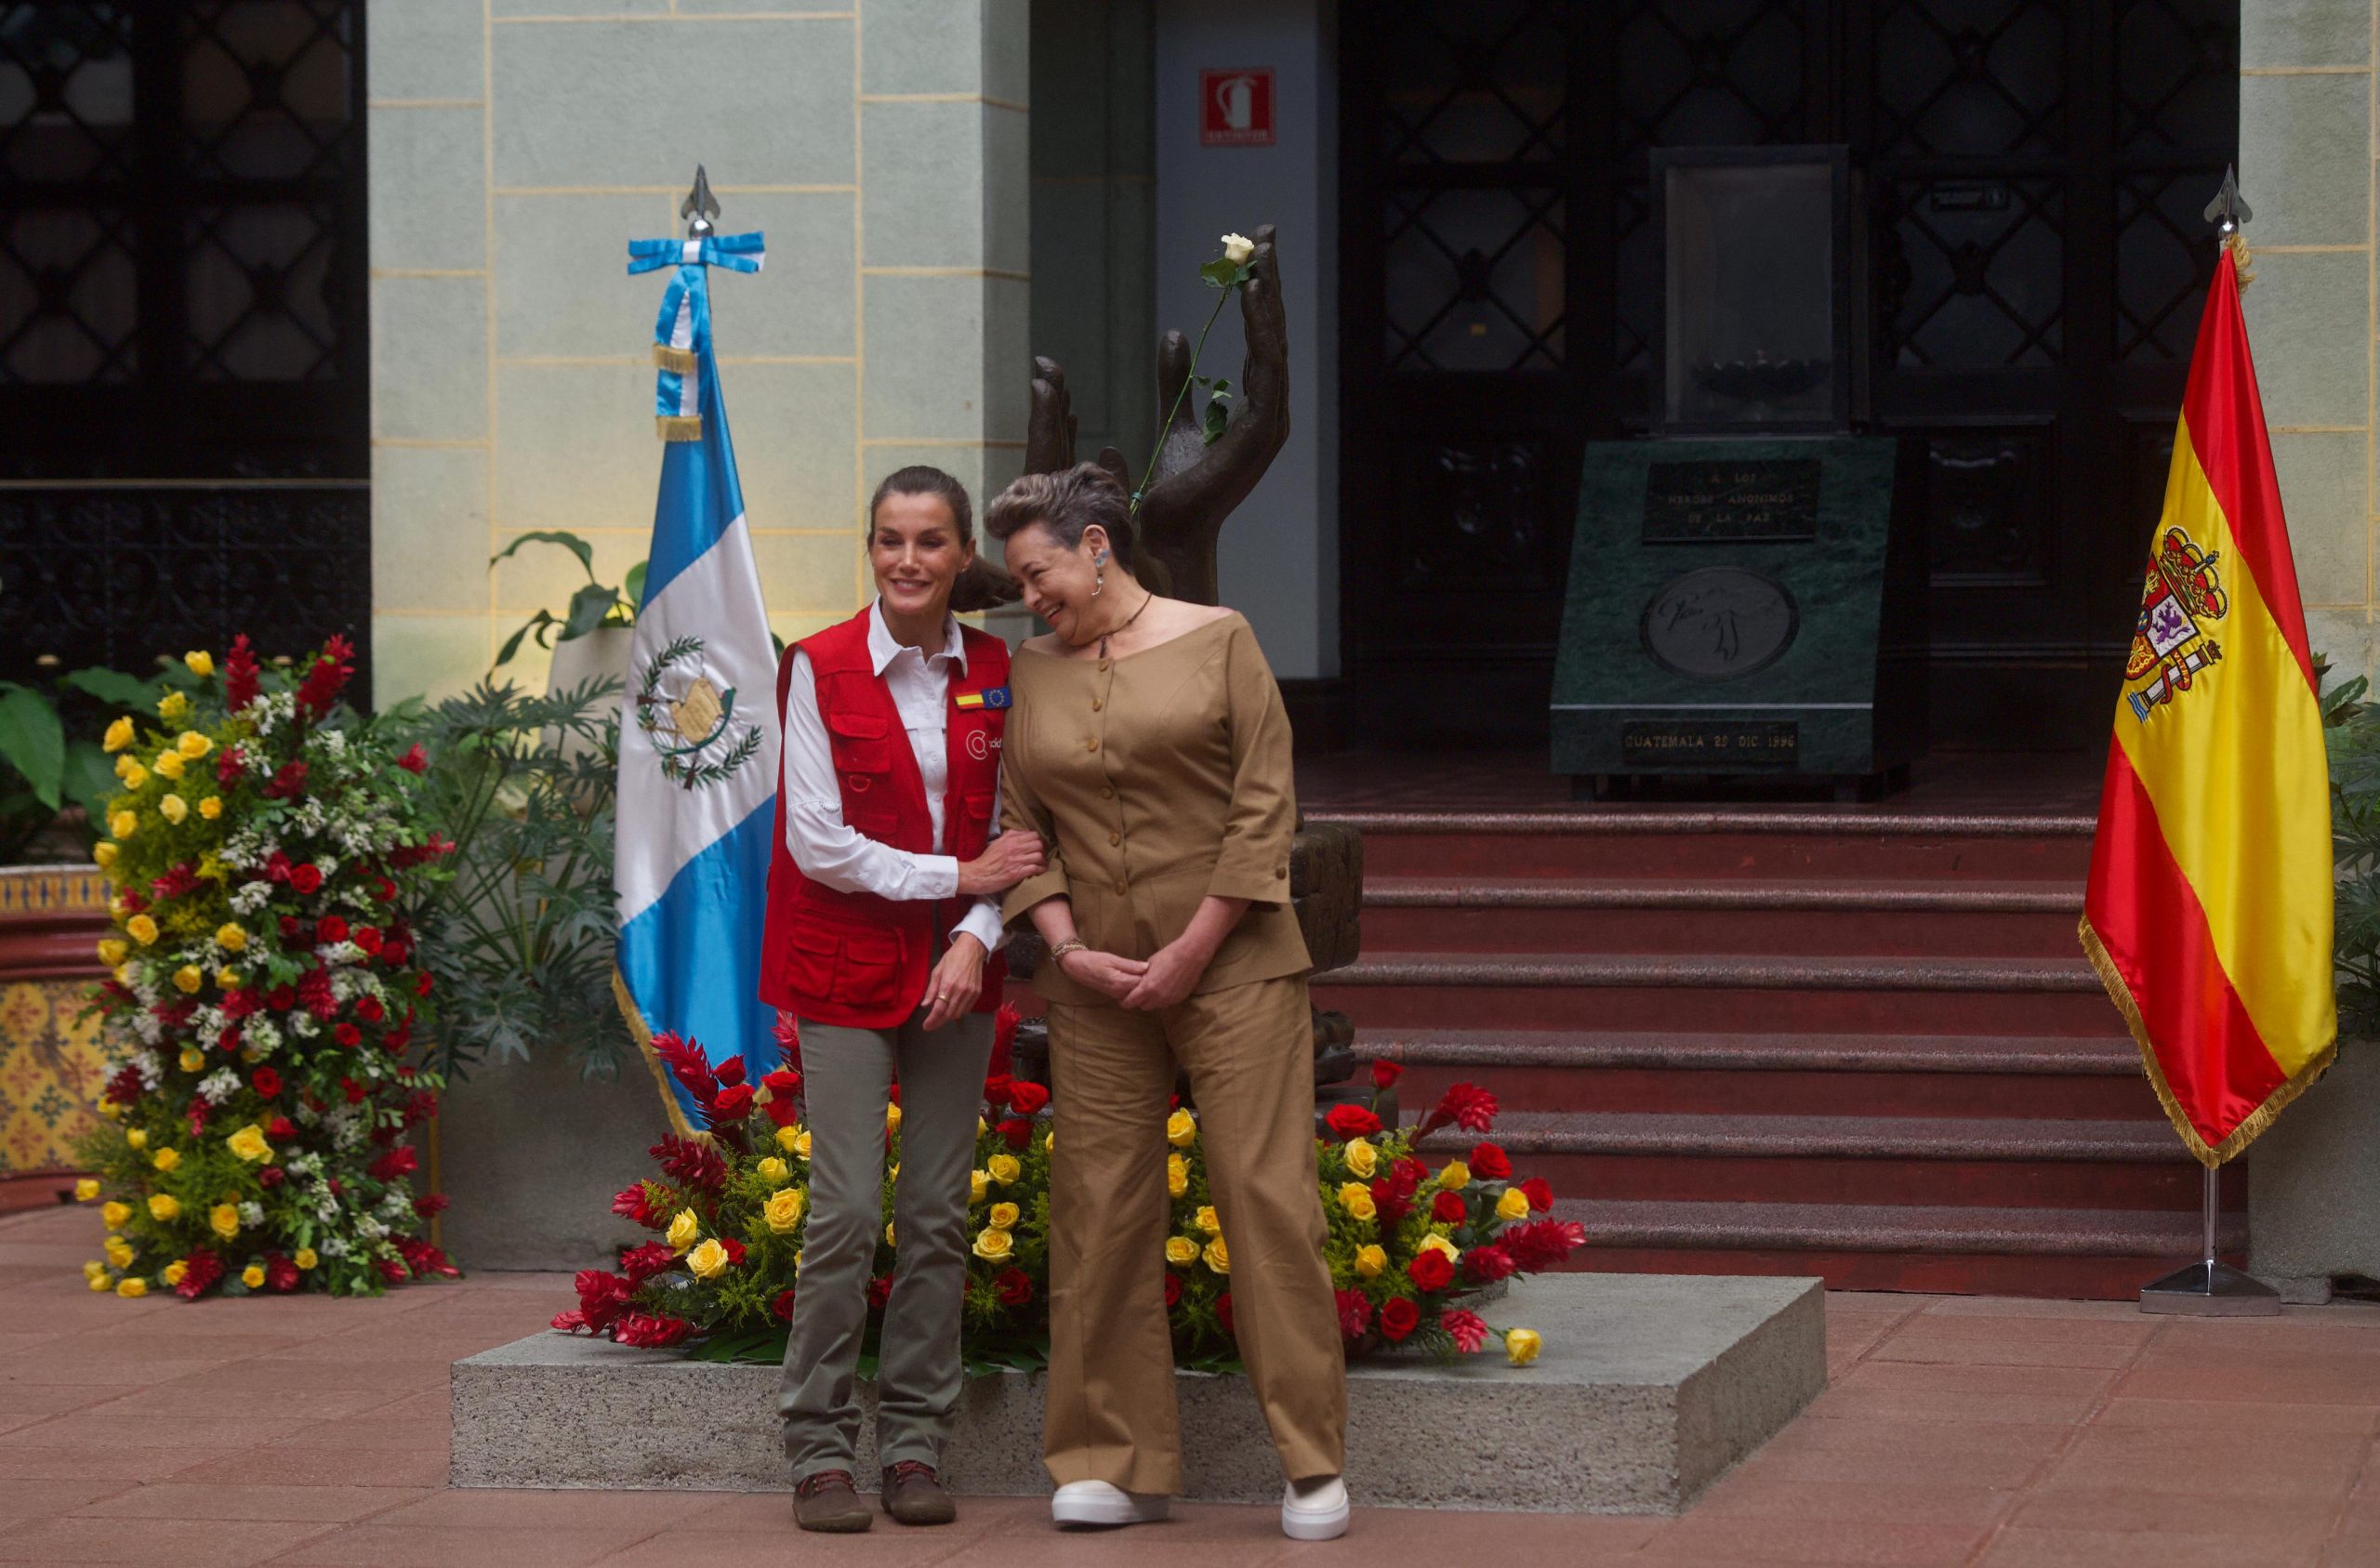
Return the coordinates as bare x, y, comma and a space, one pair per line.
1236, 107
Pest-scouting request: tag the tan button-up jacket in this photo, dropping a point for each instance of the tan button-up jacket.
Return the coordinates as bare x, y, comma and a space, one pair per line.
1156, 779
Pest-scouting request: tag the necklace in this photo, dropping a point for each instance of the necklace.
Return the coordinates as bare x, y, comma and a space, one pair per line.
1125, 625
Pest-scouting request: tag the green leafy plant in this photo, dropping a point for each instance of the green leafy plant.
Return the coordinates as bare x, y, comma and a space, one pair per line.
2351, 732
521, 937
51, 756
592, 607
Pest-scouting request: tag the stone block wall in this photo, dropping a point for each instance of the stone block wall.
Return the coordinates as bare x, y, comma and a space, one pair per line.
517, 146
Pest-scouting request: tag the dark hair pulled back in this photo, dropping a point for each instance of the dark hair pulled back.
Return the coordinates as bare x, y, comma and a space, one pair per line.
982, 585
1065, 503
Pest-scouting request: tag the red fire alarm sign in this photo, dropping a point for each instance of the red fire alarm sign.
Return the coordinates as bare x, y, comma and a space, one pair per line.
1235, 108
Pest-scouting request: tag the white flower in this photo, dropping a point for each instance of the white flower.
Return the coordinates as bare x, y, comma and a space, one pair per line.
1237, 248
370, 1229
304, 1026
333, 1246
218, 1085
334, 742
251, 897
262, 1036
251, 1213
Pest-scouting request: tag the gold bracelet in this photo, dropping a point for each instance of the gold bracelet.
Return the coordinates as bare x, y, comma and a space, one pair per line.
1072, 945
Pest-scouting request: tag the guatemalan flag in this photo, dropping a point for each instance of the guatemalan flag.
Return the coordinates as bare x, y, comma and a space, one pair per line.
699, 743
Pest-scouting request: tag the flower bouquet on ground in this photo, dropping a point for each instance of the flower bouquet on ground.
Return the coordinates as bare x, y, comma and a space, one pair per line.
1408, 1247
264, 994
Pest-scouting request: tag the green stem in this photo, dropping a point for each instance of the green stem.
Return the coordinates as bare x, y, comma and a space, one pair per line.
1157, 450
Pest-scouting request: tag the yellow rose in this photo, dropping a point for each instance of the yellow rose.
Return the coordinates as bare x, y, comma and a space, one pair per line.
253, 1276
169, 765
229, 981
211, 808
1456, 1177
123, 824
1004, 1169
979, 1182
790, 1139
1370, 1261
87, 1188
684, 1228
1521, 1344
1181, 1130
187, 979
802, 1144
113, 950
172, 706
103, 854
99, 1281
1207, 1222
201, 662
304, 1258
132, 1289
994, 1244
174, 808
1513, 1206
1177, 1176
888, 1234
113, 1215
1050, 1139
708, 1260
166, 1159
138, 1139
1181, 1250
192, 1058
1003, 1217
1217, 1255
143, 929
1362, 1158
224, 1220
891, 1118
119, 1252
93, 1267
773, 1171
1357, 1199
783, 1211
1439, 1243
174, 1272
249, 1144
119, 734
129, 769
230, 938
193, 744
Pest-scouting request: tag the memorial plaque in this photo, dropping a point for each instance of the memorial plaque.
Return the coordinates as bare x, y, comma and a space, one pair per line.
1731, 502
1710, 745
1719, 623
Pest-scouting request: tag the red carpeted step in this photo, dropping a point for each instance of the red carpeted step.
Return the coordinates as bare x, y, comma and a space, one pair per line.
1693, 844
1941, 918
1777, 1075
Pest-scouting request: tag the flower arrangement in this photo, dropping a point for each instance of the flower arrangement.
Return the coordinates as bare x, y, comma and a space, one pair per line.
264, 994
1410, 1248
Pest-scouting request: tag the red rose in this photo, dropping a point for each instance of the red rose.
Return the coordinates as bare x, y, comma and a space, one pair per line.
1027, 1097
348, 1034
996, 1090
354, 1090
879, 1291
421, 984
229, 766
733, 1249
1386, 1074
290, 927
1354, 1314
1172, 1291
1399, 1319
415, 761
1539, 1193
1431, 1271
280, 1274
1017, 1133
729, 1071
305, 878
330, 928
1448, 1206
281, 998
395, 953
1351, 1121
1489, 1162
430, 1204
384, 891
1012, 1287
1223, 1313
269, 1177
266, 1082
1394, 1206
367, 938
782, 1308
280, 1129
370, 1010
732, 1104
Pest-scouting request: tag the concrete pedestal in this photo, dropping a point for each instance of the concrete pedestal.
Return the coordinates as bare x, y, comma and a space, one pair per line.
1649, 1387
2312, 1181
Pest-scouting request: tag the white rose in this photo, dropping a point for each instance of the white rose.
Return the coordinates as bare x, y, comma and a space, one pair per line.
1237, 248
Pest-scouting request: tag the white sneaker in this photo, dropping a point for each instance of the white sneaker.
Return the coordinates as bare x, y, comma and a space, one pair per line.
1094, 1504
1316, 1510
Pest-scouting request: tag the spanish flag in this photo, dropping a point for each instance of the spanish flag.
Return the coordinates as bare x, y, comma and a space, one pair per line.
2208, 914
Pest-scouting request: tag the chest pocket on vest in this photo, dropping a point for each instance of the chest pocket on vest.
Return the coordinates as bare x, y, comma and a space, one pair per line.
861, 743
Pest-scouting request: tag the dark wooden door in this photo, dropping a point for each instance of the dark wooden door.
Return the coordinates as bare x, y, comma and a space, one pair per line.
2030, 175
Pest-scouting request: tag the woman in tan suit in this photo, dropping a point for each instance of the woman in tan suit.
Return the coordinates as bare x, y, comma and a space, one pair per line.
1149, 750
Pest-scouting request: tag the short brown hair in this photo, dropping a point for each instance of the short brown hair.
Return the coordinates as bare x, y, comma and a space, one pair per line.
1065, 503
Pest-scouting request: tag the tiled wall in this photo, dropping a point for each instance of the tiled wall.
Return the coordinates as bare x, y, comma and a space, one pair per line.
2307, 163
518, 145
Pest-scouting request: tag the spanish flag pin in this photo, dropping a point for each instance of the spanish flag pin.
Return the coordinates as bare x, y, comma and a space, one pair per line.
990, 697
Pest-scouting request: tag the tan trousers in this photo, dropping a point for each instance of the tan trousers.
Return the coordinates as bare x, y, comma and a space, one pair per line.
1111, 1413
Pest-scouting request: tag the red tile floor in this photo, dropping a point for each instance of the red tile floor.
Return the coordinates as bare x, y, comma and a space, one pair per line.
1957, 1431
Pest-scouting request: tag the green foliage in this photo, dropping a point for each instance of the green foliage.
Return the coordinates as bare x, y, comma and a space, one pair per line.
51, 756
520, 938
595, 605
2351, 732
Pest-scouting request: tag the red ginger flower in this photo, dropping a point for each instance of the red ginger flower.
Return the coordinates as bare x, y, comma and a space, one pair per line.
603, 1298
1466, 1329
1399, 1319
691, 1164
430, 1204
635, 1203
288, 783
643, 1262
1351, 1121
1467, 1106
200, 1270
398, 1162
240, 673
324, 676
416, 760
687, 1063
789, 1037
1484, 1265
424, 1259
1354, 1314
229, 764
648, 1331
1004, 1023
1540, 1244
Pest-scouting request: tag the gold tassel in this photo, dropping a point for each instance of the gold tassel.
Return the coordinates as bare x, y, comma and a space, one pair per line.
643, 1037
2244, 261
680, 426
682, 360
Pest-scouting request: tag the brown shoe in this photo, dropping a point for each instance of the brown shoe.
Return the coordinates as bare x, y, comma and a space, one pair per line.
828, 1501
913, 1494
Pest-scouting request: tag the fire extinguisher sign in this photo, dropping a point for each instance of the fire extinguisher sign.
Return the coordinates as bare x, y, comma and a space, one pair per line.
1236, 107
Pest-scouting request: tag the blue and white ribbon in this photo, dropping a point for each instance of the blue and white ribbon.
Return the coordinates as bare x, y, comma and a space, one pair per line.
681, 334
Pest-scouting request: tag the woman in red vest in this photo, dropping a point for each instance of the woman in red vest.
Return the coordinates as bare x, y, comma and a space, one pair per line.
881, 922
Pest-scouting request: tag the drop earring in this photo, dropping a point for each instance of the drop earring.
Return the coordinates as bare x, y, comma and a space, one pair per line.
1099, 577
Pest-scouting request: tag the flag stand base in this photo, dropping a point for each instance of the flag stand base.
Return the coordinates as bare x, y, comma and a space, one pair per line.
2210, 1290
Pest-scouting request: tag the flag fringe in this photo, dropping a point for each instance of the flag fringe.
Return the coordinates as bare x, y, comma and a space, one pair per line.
642, 1035
680, 426
2247, 1132
682, 360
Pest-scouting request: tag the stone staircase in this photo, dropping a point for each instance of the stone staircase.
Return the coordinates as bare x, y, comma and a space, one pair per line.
1849, 1042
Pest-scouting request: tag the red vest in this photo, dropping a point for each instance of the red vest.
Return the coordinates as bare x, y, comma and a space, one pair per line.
854, 958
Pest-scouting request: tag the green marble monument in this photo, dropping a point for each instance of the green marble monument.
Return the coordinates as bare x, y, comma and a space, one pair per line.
1741, 607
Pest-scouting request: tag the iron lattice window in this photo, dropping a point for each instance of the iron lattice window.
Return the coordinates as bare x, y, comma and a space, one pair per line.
182, 327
